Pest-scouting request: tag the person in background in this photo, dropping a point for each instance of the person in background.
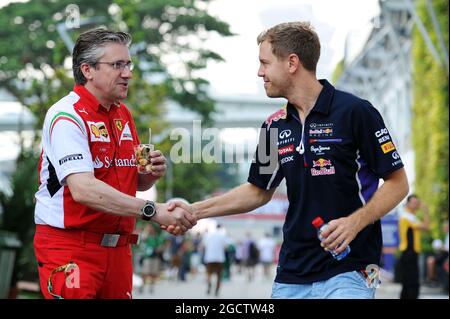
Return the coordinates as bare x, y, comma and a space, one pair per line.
266, 247
152, 243
214, 243
410, 228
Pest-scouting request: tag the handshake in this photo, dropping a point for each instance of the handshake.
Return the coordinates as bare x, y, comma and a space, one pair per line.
175, 217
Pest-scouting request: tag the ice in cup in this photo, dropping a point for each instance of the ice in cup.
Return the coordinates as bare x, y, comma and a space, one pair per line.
142, 153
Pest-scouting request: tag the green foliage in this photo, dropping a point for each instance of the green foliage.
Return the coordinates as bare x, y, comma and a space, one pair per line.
430, 118
337, 71
168, 36
18, 211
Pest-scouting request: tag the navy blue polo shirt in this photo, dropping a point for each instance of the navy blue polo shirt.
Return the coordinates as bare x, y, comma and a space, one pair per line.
332, 165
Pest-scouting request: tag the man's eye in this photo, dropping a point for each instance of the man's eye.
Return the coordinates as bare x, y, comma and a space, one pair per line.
119, 65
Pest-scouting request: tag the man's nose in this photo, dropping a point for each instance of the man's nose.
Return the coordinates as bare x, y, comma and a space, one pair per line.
127, 73
260, 72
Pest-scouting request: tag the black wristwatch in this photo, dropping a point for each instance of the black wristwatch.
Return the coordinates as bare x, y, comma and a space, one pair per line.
148, 210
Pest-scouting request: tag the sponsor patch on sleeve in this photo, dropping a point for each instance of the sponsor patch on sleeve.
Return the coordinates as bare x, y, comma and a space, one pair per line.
387, 147
71, 157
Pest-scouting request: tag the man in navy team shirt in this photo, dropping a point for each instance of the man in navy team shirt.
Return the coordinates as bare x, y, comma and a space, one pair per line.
332, 147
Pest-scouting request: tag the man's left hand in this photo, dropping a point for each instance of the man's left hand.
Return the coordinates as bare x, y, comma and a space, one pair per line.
158, 164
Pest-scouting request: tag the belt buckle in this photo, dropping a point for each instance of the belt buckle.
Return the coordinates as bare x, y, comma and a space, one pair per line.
110, 240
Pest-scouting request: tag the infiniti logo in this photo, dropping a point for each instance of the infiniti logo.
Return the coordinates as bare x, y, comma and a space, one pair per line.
285, 134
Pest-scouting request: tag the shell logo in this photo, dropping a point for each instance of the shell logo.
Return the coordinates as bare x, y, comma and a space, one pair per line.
95, 130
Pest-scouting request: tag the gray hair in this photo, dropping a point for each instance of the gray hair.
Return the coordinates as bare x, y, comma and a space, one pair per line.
90, 46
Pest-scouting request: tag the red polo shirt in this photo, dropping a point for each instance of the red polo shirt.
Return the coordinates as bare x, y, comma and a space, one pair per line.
79, 135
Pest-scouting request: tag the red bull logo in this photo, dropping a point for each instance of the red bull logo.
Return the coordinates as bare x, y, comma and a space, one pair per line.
327, 131
321, 163
322, 167
280, 114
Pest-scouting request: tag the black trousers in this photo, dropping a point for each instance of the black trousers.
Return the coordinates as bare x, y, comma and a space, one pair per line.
409, 274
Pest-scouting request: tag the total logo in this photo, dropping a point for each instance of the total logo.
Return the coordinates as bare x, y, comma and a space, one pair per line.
286, 149
395, 155
322, 167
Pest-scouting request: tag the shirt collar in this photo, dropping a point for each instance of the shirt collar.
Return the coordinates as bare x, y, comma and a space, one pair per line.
323, 103
89, 99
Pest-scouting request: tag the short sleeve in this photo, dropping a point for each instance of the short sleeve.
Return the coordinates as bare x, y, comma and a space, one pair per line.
265, 169
66, 145
374, 140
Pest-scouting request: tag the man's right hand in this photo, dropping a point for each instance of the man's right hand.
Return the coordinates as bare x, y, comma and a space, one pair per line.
174, 219
172, 207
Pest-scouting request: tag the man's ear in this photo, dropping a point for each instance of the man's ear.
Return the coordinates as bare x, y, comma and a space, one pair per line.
294, 63
87, 69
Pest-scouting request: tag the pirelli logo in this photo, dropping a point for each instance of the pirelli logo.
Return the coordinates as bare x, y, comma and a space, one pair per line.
72, 157
387, 147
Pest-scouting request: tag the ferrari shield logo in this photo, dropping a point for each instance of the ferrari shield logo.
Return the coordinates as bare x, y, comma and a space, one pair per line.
119, 125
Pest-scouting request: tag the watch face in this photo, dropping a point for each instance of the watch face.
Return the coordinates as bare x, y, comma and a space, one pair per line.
148, 210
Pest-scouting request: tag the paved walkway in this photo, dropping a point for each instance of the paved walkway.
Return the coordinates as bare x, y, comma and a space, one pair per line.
238, 287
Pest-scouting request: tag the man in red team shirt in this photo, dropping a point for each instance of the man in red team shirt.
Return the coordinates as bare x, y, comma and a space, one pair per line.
86, 206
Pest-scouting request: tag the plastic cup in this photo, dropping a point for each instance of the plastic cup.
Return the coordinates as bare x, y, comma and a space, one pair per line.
142, 153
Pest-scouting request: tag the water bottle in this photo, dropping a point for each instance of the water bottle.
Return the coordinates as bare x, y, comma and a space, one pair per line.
321, 226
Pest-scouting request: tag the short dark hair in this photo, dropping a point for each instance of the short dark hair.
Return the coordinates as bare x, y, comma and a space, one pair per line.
294, 37
89, 48
408, 199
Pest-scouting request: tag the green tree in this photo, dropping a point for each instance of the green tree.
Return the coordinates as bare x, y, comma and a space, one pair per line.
18, 217
430, 117
168, 38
